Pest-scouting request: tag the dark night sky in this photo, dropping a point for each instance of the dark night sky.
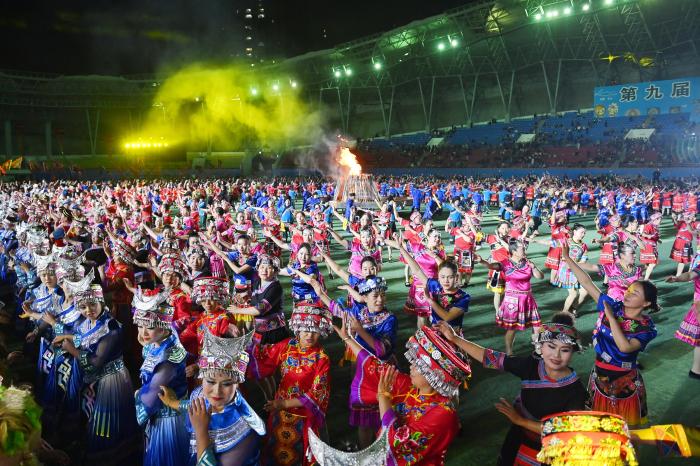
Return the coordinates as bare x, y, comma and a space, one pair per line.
141, 36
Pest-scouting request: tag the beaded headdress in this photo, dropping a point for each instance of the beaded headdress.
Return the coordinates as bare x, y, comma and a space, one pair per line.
215, 288
558, 332
173, 263
152, 311
311, 319
443, 366
372, 283
123, 250
93, 294
267, 259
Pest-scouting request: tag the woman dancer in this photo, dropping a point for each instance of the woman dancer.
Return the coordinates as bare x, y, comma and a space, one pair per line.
622, 331
304, 389
549, 385
565, 278
429, 254
163, 365
417, 409
224, 429
518, 311
97, 344
689, 330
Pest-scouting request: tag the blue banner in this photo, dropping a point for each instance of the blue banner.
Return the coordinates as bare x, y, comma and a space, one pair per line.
650, 98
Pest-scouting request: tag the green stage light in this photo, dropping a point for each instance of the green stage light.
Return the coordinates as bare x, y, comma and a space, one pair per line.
586, 6
337, 73
609, 2
538, 16
567, 10
293, 84
275, 87
454, 42
377, 65
348, 72
254, 91
441, 46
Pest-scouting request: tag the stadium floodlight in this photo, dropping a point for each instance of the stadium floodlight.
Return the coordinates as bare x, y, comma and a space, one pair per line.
555, 13
586, 6
348, 71
538, 16
549, 14
454, 42
293, 84
609, 2
441, 46
254, 91
567, 10
377, 65
337, 73
275, 87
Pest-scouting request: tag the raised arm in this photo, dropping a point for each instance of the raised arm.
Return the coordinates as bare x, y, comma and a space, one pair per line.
343, 242
410, 260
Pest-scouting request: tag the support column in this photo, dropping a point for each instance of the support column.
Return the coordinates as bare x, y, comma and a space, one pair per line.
556, 88
510, 95
391, 111
471, 107
422, 101
48, 137
464, 98
430, 107
347, 111
549, 92
8, 138
381, 107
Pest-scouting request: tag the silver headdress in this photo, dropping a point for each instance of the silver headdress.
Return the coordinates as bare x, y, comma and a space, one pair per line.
153, 311
68, 258
74, 286
226, 355
374, 455
36, 235
93, 294
45, 262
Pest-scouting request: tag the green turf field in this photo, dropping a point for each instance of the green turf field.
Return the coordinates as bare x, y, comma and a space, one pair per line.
672, 394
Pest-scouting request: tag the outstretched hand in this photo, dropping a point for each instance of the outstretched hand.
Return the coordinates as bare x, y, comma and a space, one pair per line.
386, 379
509, 411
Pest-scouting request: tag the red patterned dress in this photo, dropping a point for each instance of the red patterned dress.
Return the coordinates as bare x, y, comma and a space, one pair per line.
421, 427
305, 376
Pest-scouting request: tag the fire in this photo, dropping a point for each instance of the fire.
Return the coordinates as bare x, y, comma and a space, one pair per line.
348, 159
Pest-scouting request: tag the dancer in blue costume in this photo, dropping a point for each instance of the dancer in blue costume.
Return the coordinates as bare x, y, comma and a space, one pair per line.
167, 440
224, 428
62, 390
108, 396
44, 299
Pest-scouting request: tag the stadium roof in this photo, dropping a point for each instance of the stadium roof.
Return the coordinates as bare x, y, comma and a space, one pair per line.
482, 37
507, 35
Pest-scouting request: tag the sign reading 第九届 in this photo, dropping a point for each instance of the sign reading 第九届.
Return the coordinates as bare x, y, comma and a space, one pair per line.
650, 98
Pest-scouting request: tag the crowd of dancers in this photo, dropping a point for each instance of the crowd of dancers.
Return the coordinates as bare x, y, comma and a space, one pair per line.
151, 308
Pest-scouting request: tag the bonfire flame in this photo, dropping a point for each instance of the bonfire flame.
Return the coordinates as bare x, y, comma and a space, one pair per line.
348, 159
